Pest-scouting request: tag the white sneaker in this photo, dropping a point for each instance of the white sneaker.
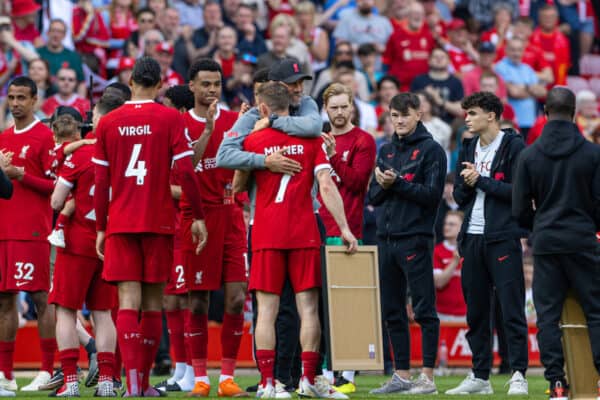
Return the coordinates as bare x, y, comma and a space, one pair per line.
518, 385
422, 385
266, 392
57, 238
280, 392
321, 389
472, 385
6, 393
42, 378
8, 384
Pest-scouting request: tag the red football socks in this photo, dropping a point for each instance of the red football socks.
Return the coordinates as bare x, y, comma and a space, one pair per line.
175, 324
310, 359
61, 221
187, 315
198, 337
106, 363
68, 361
128, 336
48, 347
266, 365
151, 331
7, 350
231, 337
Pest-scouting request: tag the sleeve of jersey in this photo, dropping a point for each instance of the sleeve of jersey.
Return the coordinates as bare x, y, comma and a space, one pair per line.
356, 176
189, 185
100, 157
101, 196
321, 159
181, 147
47, 157
41, 185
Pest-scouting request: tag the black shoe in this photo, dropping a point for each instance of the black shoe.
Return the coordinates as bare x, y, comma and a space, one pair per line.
173, 387
93, 372
252, 389
340, 380
55, 382
161, 385
162, 368
118, 385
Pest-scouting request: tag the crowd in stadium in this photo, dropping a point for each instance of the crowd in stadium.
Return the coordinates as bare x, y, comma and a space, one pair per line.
350, 69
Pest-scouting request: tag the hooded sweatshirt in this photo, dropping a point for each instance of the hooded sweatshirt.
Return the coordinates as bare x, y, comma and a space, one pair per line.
560, 173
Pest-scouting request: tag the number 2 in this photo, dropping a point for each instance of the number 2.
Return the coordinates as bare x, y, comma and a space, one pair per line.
136, 167
285, 180
180, 274
24, 271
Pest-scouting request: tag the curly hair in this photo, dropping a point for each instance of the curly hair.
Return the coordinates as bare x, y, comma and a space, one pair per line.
487, 101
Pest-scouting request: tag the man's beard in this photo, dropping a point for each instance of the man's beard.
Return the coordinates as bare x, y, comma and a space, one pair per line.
339, 123
364, 10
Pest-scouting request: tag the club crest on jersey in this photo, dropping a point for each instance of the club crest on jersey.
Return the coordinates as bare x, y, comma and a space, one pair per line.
24, 150
415, 153
345, 156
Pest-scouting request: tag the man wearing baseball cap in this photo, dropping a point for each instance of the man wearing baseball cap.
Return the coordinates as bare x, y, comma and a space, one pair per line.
462, 54
164, 55
305, 121
487, 59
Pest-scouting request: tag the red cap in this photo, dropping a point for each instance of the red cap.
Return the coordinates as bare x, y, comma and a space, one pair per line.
125, 63
165, 47
456, 24
21, 8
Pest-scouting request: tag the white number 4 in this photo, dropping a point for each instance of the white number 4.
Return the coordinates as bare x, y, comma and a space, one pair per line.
136, 167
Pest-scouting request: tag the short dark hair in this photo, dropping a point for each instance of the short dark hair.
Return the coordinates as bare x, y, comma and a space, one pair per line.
345, 64
560, 102
25, 81
204, 64
119, 89
146, 72
275, 95
145, 10
366, 49
404, 101
181, 96
388, 78
261, 76
487, 101
60, 21
109, 102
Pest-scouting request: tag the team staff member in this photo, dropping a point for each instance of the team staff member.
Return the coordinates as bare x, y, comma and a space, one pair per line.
408, 186
489, 243
77, 271
134, 154
560, 174
24, 251
351, 152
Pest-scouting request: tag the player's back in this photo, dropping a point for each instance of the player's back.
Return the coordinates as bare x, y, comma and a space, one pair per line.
284, 217
138, 142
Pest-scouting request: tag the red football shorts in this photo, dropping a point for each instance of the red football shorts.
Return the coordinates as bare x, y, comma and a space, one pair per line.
224, 257
139, 257
176, 283
270, 266
78, 279
24, 266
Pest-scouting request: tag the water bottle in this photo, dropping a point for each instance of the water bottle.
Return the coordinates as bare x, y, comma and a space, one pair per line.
442, 369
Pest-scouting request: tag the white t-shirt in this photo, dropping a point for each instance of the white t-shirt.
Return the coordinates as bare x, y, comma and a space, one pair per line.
484, 156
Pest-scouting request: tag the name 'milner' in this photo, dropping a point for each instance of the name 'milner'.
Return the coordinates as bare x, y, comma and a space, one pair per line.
294, 149
139, 130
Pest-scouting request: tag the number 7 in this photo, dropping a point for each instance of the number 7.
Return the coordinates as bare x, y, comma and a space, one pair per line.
285, 180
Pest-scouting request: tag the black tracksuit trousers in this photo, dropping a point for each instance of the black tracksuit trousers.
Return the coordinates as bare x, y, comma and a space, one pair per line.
553, 275
402, 264
489, 265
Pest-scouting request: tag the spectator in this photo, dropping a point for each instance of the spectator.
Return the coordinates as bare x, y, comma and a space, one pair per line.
367, 55
57, 55
250, 41
123, 72
150, 42
190, 13
481, 10
522, 84
446, 89
434, 19
239, 88
554, 44
146, 20
229, 9
587, 117
460, 49
489, 82
159, 7
588, 19
90, 34
14, 55
281, 42
385, 134
408, 48
24, 16
332, 11
447, 265
343, 52
66, 96
225, 53
387, 88
487, 57
278, 7
313, 36
533, 55
39, 72
397, 11
164, 56
441, 131
296, 49
502, 29
122, 22
171, 25
361, 25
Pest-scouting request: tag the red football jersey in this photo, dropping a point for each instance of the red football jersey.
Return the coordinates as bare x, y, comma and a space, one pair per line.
57, 157
449, 300
407, 53
27, 215
460, 61
352, 165
172, 78
284, 216
77, 102
216, 183
556, 51
77, 172
138, 143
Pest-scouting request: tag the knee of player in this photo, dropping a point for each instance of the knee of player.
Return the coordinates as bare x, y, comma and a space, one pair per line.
199, 302
7, 302
234, 304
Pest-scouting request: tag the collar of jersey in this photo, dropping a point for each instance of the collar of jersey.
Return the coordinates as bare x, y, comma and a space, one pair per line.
201, 119
28, 127
139, 101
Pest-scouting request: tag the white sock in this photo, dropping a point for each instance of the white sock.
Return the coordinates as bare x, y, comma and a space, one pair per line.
186, 383
178, 373
348, 375
202, 379
224, 378
328, 375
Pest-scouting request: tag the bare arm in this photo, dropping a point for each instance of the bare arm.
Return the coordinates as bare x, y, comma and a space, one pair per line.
60, 194
176, 192
240, 181
441, 278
